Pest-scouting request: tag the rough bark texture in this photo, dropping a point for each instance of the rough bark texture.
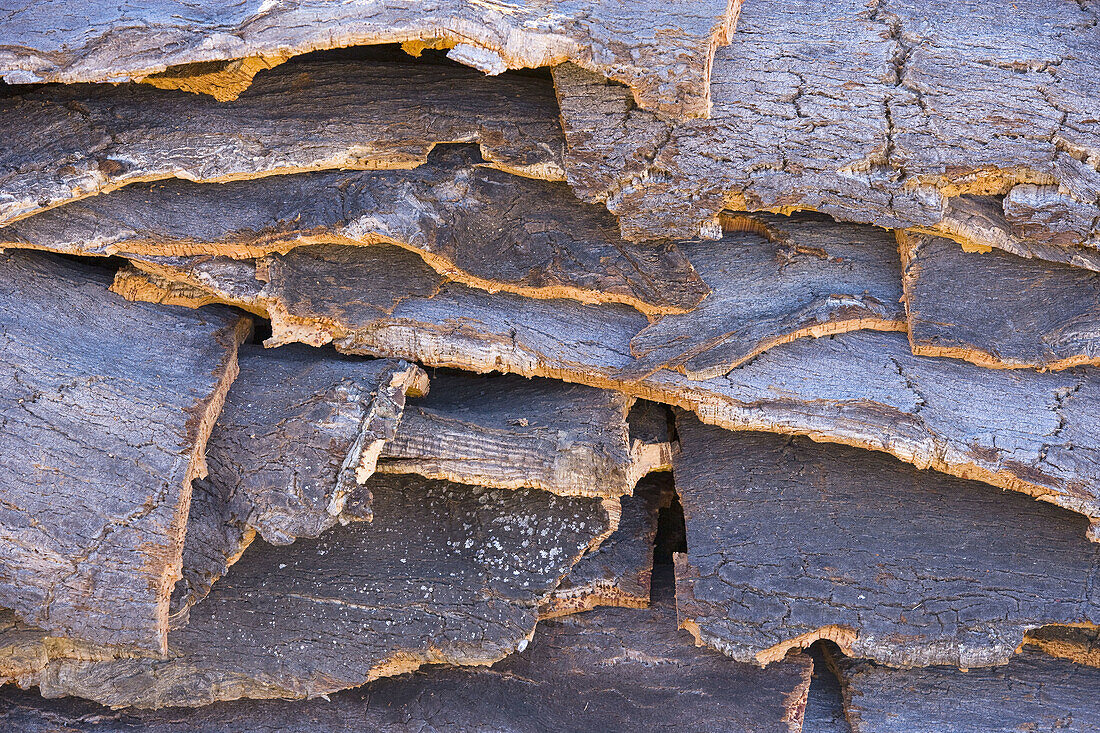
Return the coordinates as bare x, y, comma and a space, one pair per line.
1018, 429
70, 142
998, 310
1077, 644
299, 431
479, 226
510, 432
901, 566
613, 669
1033, 692
620, 572
664, 53
877, 114
105, 411
443, 573
825, 701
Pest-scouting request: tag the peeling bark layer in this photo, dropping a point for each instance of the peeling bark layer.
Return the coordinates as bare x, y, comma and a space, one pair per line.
1077, 644
476, 225
443, 573
105, 409
300, 430
620, 572
510, 432
901, 566
1019, 430
877, 114
664, 53
601, 671
997, 310
1032, 692
71, 142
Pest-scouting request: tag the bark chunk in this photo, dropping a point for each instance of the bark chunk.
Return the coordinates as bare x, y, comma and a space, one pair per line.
105, 408
901, 566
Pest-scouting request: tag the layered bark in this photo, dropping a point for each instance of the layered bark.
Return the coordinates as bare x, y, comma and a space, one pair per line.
510, 432
482, 227
664, 53
1019, 430
997, 310
443, 573
299, 432
880, 114
106, 408
71, 142
1032, 692
1079, 644
901, 566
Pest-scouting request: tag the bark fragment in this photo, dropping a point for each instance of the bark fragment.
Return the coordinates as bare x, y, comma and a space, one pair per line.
70, 142
106, 408
663, 54
901, 566
443, 573
1079, 644
510, 432
997, 310
476, 225
877, 114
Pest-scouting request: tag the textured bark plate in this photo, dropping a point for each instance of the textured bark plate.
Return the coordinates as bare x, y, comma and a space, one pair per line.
69, 142
609, 670
105, 410
663, 53
300, 430
997, 310
443, 573
509, 432
479, 226
1032, 692
875, 114
791, 541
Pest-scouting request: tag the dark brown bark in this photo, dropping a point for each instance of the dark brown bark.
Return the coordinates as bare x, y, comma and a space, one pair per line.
894, 564
664, 53
105, 411
1077, 644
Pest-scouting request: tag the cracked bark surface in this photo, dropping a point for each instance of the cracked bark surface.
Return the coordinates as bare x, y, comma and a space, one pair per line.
1008, 313
1016, 429
72, 142
106, 409
620, 572
598, 671
1032, 692
873, 571
299, 432
509, 432
444, 573
663, 53
472, 224
880, 114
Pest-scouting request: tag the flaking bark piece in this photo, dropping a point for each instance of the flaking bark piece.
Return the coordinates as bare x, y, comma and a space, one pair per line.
480, 226
1015, 429
510, 432
444, 573
664, 53
608, 670
1079, 644
894, 564
997, 310
1032, 692
300, 430
876, 114
105, 408
71, 142
619, 573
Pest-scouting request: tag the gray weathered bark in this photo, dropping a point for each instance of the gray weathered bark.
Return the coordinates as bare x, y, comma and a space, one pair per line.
901, 566
664, 53
443, 573
105, 409
66, 143
879, 114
